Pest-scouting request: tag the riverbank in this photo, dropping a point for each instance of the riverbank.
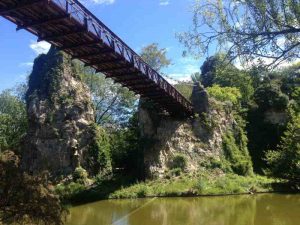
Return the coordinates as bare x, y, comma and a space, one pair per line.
198, 184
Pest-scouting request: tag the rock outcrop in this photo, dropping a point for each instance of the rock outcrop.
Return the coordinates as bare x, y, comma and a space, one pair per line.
61, 117
199, 139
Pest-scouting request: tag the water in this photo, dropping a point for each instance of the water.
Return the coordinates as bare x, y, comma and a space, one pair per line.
264, 209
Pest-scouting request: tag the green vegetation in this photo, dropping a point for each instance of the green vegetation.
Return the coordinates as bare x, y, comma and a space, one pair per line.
265, 31
155, 56
99, 156
26, 199
178, 161
231, 94
284, 161
13, 120
236, 153
203, 183
113, 103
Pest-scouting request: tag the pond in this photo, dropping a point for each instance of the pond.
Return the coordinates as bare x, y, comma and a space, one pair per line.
262, 209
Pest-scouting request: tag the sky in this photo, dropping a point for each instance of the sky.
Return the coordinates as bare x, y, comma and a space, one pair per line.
137, 22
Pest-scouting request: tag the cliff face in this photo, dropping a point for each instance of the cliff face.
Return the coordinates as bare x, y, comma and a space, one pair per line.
200, 140
60, 116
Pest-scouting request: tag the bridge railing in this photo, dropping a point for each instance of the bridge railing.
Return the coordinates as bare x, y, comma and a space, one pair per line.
94, 25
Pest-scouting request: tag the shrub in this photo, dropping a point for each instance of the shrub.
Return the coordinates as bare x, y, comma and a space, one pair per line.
99, 157
26, 199
178, 161
285, 161
223, 94
174, 173
80, 175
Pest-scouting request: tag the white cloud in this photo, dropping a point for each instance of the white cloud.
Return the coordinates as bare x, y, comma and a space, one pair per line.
40, 47
164, 2
26, 64
265, 61
98, 2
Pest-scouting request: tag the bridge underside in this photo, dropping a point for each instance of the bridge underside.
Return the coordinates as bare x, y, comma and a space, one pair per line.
72, 28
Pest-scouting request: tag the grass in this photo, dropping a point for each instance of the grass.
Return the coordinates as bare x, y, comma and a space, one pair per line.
200, 184
209, 182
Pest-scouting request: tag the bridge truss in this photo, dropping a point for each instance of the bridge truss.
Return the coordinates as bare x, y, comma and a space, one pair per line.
69, 26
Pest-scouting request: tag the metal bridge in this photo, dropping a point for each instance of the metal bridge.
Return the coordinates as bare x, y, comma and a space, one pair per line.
69, 26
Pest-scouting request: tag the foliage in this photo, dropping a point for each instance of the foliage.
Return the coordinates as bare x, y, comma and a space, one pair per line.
113, 103
250, 30
203, 183
178, 161
274, 93
66, 190
13, 120
155, 56
185, 88
26, 199
285, 161
127, 149
296, 99
236, 151
222, 94
269, 96
216, 70
99, 155
80, 175
209, 69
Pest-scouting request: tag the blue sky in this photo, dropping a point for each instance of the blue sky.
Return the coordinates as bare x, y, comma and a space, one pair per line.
137, 22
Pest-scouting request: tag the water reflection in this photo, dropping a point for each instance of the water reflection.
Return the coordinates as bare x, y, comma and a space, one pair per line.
267, 209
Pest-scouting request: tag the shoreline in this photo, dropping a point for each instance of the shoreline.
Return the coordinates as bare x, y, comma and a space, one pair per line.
184, 186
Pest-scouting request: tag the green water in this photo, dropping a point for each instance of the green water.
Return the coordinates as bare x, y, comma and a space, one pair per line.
264, 209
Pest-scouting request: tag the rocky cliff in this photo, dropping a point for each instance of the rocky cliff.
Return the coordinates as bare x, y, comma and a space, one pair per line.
213, 137
61, 133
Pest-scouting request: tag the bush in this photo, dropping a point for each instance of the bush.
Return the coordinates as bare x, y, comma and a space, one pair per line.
99, 156
223, 94
285, 161
239, 159
26, 199
80, 175
178, 161
174, 173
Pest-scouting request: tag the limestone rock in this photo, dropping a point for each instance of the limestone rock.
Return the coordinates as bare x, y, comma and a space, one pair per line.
60, 116
198, 139
200, 99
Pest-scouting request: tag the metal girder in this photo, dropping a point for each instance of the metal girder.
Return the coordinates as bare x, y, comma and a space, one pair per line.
80, 45
111, 70
136, 82
99, 63
143, 87
54, 37
125, 74
87, 56
135, 75
138, 77
22, 6
43, 22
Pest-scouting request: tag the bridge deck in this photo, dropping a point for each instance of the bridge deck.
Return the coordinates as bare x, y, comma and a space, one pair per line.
68, 25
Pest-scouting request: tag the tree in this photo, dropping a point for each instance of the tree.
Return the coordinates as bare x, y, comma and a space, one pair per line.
156, 57
285, 161
13, 120
127, 149
113, 103
26, 199
249, 29
222, 94
216, 70
270, 96
209, 69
